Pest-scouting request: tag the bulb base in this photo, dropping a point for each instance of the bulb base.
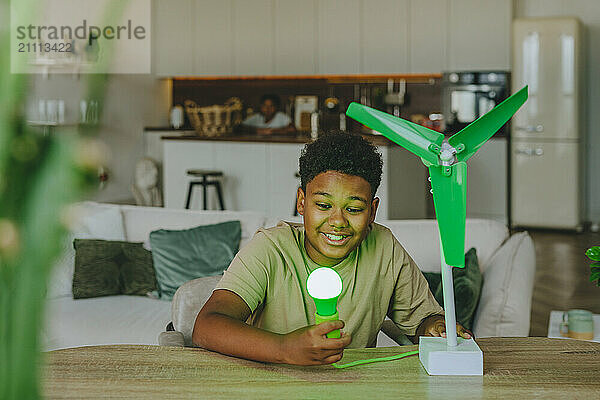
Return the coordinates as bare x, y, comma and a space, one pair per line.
333, 334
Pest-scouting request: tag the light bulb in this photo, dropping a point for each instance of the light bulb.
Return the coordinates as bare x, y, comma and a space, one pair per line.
324, 283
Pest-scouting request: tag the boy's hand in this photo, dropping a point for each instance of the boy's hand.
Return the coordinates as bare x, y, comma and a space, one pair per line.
310, 346
435, 325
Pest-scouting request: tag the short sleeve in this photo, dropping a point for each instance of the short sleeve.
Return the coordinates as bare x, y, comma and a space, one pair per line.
248, 274
412, 300
255, 120
285, 120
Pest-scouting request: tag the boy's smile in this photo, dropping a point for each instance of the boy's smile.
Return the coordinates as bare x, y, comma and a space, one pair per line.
337, 209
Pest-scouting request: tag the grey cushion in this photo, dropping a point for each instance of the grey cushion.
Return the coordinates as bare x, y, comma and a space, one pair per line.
188, 301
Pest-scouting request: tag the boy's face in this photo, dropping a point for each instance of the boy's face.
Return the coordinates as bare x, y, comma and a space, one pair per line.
337, 210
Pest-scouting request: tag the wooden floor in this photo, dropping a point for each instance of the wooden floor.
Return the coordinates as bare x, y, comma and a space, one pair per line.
562, 276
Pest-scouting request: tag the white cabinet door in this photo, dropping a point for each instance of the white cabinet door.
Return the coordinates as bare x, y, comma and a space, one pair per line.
282, 165
487, 182
253, 38
480, 34
428, 36
545, 184
245, 185
212, 39
179, 156
339, 37
295, 37
385, 39
405, 179
172, 33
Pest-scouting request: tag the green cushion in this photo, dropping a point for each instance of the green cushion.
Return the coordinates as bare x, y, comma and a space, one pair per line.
104, 268
467, 288
180, 256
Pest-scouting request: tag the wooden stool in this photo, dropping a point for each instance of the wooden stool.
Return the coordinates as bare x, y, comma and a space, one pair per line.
204, 182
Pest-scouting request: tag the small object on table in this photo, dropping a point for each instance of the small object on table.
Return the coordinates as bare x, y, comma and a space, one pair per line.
556, 319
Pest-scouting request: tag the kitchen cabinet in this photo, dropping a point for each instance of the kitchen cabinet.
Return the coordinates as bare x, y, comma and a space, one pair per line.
211, 38
295, 37
253, 37
479, 34
384, 38
339, 37
487, 182
428, 36
251, 182
264, 37
259, 176
404, 191
172, 37
281, 169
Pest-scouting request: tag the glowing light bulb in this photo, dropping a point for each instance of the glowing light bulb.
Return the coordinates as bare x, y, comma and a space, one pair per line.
324, 285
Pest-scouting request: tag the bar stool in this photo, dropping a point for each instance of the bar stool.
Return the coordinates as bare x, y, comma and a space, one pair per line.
214, 180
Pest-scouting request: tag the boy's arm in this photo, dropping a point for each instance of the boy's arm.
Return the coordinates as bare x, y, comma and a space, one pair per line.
220, 326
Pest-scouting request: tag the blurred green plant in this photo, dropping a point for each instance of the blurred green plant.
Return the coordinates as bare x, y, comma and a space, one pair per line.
593, 253
39, 176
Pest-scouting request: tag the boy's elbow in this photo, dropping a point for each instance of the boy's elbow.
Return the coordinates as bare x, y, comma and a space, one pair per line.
199, 333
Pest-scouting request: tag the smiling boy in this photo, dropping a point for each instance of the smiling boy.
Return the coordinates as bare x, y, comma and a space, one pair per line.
260, 309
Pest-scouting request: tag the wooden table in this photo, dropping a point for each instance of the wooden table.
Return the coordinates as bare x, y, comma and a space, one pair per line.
514, 368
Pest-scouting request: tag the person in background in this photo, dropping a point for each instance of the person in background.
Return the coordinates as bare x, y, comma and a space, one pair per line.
270, 120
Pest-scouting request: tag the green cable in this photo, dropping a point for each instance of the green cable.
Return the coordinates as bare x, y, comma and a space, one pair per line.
373, 360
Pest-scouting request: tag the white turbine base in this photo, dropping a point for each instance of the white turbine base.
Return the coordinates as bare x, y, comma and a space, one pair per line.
440, 359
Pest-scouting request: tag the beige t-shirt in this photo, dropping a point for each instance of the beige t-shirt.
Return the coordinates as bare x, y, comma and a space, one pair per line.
379, 278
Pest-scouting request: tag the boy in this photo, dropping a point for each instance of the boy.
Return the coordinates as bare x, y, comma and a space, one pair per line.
260, 309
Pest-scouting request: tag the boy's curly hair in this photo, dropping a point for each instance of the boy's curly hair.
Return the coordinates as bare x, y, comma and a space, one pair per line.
343, 152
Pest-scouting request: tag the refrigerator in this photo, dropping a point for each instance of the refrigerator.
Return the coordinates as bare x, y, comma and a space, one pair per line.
546, 133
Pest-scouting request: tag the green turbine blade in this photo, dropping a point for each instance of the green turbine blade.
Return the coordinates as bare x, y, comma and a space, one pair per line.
413, 137
474, 135
450, 202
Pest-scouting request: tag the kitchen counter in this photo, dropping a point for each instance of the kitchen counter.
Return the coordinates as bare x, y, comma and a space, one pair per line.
270, 162
185, 134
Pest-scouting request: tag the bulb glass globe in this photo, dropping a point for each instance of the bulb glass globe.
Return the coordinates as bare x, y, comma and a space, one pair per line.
324, 283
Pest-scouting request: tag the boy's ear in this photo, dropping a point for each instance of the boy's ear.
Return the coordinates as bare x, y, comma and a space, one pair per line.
374, 205
300, 201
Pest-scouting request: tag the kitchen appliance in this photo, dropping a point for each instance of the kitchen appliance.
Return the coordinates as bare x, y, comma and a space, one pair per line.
468, 95
546, 134
465, 97
304, 107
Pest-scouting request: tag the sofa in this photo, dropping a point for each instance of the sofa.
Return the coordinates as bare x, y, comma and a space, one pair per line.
507, 264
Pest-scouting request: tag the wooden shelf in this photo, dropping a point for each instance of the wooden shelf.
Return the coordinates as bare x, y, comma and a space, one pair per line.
329, 78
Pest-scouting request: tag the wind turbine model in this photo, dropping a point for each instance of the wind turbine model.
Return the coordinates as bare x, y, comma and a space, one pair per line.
446, 161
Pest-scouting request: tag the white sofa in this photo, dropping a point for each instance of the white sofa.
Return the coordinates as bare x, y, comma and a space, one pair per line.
507, 263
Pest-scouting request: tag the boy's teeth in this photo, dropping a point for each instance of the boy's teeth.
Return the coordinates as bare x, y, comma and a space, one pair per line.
334, 237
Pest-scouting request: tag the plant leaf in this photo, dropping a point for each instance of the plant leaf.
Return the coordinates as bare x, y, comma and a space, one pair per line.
593, 253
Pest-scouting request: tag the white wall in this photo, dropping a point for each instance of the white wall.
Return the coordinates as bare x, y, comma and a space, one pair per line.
588, 11
131, 102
